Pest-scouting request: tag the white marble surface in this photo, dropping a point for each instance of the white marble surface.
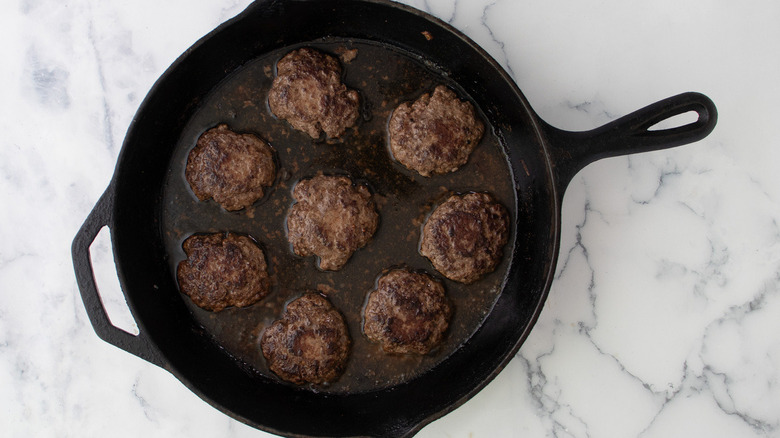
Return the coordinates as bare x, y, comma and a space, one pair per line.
663, 319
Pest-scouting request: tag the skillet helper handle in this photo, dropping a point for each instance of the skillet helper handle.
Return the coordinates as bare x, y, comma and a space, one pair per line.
571, 151
100, 217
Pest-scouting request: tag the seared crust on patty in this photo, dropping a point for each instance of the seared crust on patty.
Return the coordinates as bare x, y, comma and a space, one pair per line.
223, 270
331, 219
407, 313
309, 94
229, 167
464, 237
436, 133
309, 343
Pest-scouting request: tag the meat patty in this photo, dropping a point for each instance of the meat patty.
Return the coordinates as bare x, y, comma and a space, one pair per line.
465, 235
434, 134
229, 167
309, 94
223, 270
331, 219
310, 343
407, 313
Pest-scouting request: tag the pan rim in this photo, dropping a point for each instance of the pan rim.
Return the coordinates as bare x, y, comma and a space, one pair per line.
536, 127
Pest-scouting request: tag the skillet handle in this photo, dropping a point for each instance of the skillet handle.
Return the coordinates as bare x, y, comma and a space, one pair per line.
571, 151
100, 217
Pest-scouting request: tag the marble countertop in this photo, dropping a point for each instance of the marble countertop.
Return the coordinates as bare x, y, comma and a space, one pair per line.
664, 316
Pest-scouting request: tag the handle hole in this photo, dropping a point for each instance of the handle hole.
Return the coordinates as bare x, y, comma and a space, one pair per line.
107, 282
676, 121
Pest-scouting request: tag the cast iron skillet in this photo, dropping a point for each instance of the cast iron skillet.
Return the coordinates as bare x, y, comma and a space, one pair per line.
541, 160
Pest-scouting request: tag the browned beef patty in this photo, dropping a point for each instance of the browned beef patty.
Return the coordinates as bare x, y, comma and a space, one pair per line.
309, 94
434, 134
464, 237
331, 219
223, 270
232, 168
407, 313
310, 343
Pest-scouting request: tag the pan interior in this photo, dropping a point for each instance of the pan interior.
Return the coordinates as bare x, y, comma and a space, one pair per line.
384, 76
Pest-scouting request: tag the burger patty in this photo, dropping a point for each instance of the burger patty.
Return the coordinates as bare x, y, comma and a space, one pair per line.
309, 94
310, 343
407, 313
436, 133
331, 219
229, 167
223, 270
464, 237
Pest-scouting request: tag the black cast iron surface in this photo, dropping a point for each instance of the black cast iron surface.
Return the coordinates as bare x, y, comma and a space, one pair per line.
139, 208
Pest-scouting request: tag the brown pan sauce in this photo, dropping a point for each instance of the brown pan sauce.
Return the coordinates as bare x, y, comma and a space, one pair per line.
384, 77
